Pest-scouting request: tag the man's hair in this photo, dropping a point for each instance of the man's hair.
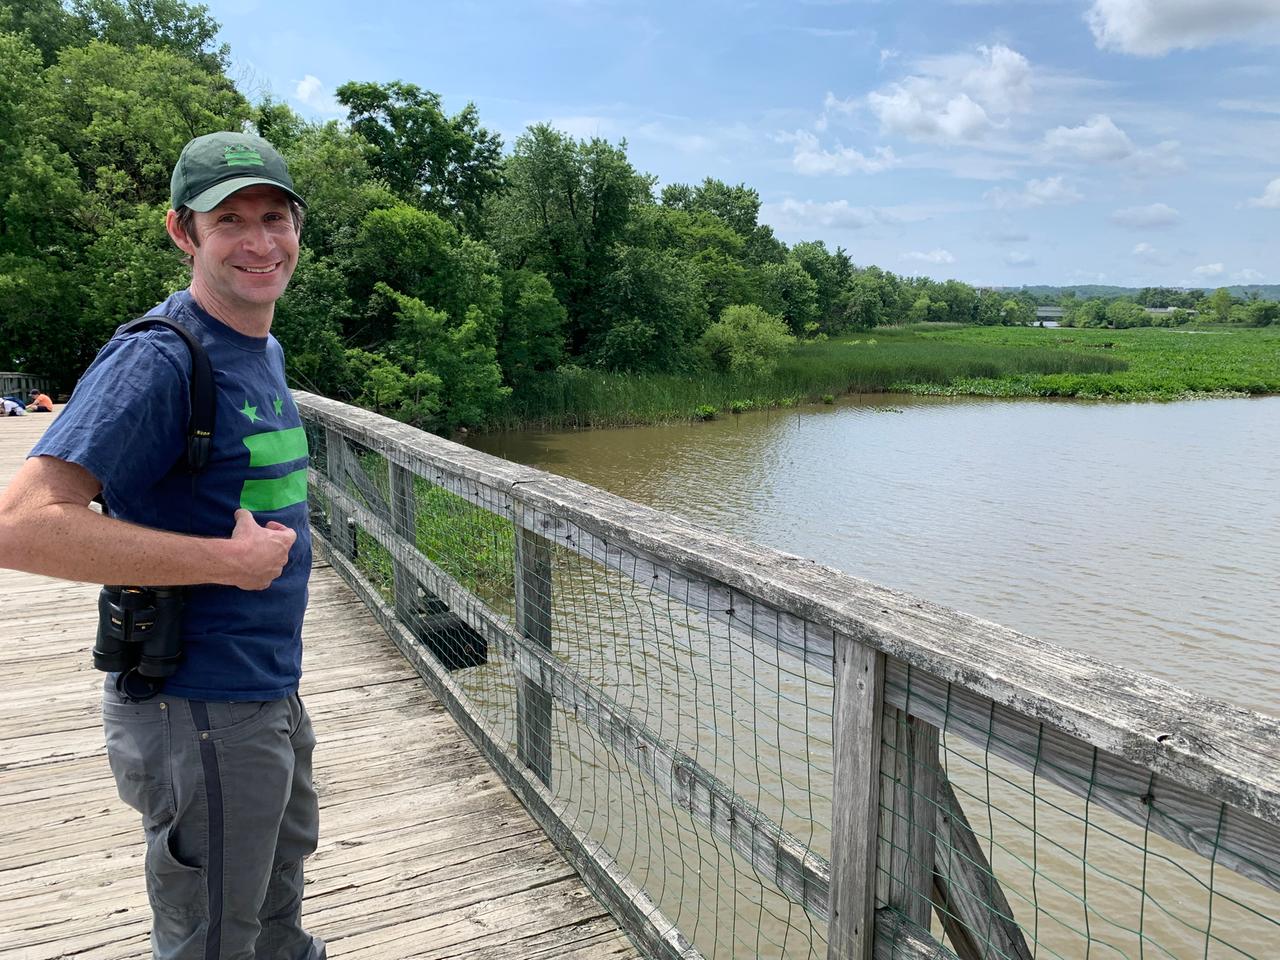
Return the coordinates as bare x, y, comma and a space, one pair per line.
187, 222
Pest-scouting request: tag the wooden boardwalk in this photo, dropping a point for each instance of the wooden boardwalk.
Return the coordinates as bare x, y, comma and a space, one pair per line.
423, 851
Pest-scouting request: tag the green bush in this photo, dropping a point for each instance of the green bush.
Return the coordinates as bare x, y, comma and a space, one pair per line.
745, 340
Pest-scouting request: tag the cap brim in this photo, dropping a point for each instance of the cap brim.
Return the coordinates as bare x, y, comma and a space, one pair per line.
204, 202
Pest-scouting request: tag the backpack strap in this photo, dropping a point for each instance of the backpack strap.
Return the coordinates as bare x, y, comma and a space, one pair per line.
203, 396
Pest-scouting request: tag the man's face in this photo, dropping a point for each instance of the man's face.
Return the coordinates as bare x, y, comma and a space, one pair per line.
247, 251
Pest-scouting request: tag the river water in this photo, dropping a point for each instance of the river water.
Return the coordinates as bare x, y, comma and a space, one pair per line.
1143, 534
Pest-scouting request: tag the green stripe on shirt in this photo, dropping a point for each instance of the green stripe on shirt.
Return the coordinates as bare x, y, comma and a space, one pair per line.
274, 494
276, 446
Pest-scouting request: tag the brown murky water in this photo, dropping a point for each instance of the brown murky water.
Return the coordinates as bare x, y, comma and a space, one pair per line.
1144, 534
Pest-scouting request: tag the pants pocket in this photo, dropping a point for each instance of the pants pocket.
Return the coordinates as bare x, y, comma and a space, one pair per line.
137, 737
174, 888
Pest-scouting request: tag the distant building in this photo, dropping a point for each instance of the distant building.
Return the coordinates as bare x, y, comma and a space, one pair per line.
1050, 313
1165, 311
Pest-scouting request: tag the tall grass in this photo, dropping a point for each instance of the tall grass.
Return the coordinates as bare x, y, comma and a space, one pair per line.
888, 360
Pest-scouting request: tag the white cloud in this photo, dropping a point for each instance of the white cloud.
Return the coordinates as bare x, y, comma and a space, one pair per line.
1209, 270
1149, 254
1095, 141
1141, 218
1247, 275
807, 214
1037, 193
1163, 158
811, 159
933, 256
1270, 197
956, 98
1154, 27
310, 92
1017, 259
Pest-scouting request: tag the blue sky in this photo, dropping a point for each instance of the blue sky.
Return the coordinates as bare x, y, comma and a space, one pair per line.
1131, 142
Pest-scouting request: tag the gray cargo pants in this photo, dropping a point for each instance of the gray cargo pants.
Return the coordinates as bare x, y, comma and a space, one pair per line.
229, 813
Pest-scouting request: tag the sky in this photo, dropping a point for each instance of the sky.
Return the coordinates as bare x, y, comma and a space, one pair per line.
1000, 142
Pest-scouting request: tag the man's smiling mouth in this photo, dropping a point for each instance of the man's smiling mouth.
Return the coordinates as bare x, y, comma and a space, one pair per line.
270, 269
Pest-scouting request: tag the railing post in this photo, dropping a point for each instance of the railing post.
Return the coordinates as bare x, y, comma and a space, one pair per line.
341, 530
855, 804
404, 520
908, 815
533, 622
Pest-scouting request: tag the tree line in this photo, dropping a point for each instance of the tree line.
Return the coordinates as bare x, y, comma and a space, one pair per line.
440, 274
1175, 306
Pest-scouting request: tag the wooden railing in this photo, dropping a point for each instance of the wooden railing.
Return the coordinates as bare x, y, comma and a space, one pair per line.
21, 384
912, 694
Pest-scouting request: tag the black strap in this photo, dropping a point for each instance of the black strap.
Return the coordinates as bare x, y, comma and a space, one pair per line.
203, 398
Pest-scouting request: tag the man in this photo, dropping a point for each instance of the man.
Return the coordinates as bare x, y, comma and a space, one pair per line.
219, 761
39, 403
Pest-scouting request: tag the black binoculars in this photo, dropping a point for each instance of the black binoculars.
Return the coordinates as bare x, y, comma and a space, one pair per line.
139, 636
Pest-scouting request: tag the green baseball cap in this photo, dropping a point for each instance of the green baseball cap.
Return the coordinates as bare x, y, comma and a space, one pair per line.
213, 167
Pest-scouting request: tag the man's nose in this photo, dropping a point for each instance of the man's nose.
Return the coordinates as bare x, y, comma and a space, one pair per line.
256, 238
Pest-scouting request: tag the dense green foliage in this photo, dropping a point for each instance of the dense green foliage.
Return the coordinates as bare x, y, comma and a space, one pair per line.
1149, 364
445, 280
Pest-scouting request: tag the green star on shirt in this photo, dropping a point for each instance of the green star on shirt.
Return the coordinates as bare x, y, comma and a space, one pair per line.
250, 412
278, 404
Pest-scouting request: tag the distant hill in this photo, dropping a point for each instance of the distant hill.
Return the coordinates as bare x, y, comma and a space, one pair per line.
1091, 291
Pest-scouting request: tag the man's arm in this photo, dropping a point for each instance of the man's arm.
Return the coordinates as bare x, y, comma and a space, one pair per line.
47, 527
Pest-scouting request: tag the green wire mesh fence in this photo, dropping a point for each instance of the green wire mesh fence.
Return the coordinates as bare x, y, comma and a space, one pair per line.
684, 736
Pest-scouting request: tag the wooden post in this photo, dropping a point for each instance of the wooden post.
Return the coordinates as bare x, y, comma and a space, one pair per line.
404, 520
533, 622
855, 810
971, 903
341, 529
908, 815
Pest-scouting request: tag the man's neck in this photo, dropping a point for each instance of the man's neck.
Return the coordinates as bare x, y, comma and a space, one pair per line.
252, 321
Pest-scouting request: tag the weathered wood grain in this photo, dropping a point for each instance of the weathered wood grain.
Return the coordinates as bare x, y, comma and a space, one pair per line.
971, 903
908, 815
855, 818
533, 623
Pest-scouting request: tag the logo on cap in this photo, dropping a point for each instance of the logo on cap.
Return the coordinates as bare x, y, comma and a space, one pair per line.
242, 156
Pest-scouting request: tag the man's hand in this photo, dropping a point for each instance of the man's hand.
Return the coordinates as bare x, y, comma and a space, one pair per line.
261, 551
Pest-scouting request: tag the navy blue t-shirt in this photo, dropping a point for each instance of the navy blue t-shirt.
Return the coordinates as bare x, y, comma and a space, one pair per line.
127, 423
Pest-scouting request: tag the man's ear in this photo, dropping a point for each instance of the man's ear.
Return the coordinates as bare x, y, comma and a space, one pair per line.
177, 234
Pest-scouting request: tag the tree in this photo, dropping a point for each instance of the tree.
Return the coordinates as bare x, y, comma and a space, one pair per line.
182, 29
737, 206
124, 115
447, 165
1220, 302
1123, 314
787, 290
746, 341
651, 310
461, 356
531, 330
567, 208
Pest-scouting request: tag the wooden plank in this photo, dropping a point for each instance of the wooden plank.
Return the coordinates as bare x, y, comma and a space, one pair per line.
970, 901
640, 916
855, 803
898, 938
908, 815
340, 529
1230, 754
533, 623
404, 520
